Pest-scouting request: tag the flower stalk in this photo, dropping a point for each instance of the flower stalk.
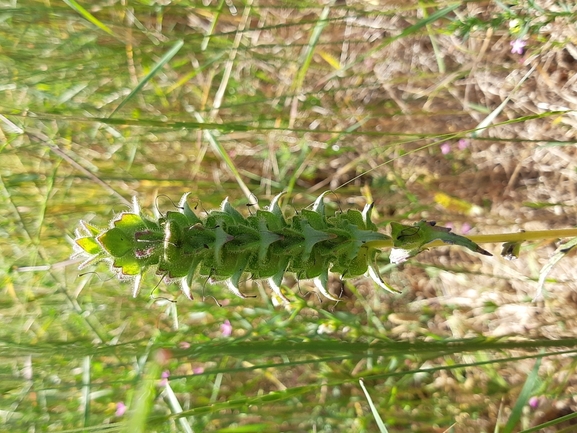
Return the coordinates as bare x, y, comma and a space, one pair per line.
522, 236
224, 246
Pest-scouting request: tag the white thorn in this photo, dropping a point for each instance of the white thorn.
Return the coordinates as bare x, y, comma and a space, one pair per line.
319, 204
277, 290
323, 289
185, 287
275, 200
223, 204
374, 274
182, 202
234, 289
367, 213
136, 287
135, 205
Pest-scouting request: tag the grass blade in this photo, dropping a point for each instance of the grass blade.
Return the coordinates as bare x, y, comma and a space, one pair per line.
489, 119
221, 151
407, 32
143, 399
307, 57
523, 398
212, 27
425, 22
86, 365
313, 41
378, 419
434, 41
165, 59
176, 408
43, 139
230, 62
541, 427
561, 252
88, 16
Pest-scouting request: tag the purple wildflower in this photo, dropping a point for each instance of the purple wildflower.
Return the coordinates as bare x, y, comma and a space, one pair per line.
518, 46
226, 328
534, 402
463, 144
164, 378
466, 228
445, 148
120, 408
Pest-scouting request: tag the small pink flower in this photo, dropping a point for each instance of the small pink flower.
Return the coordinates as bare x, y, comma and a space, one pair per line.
198, 370
518, 46
120, 408
466, 228
184, 345
534, 402
226, 328
445, 148
463, 144
164, 378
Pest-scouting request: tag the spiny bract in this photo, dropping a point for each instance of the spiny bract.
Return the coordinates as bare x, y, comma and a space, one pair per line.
223, 245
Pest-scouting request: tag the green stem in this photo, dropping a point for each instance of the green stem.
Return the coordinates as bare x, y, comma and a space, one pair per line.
496, 238
525, 236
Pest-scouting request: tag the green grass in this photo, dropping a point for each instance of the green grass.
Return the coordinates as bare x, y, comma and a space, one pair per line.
101, 102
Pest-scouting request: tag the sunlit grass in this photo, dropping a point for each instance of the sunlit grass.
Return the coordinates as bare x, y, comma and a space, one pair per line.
102, 102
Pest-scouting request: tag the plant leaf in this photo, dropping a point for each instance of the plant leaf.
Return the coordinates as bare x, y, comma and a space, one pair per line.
559, 254
374, 411
412, 239
523, 398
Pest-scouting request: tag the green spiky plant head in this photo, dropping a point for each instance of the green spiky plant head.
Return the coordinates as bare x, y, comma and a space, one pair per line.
224, 246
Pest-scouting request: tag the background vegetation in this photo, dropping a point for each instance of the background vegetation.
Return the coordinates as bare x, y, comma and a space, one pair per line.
424, 108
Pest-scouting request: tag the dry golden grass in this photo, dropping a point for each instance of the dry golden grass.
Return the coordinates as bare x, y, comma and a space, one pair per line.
503, 178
